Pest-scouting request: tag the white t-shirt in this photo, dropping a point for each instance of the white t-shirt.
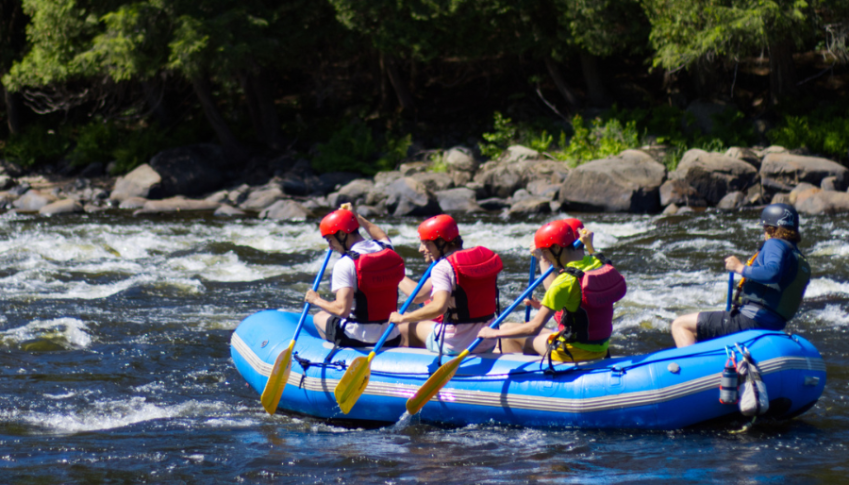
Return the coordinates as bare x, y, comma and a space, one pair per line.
457, 337
345, 276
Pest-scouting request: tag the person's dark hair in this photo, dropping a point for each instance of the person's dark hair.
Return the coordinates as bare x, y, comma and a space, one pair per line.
455, 244
783, 233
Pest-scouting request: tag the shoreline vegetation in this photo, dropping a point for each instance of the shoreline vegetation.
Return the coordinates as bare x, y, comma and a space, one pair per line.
403, 108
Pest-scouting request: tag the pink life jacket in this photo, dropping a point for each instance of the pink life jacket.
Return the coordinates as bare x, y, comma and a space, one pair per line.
600, 289
476, 291
378, 275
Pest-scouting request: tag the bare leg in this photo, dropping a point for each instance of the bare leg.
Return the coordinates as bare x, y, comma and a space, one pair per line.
684, 329
537, 345
320, 322
415, 334
511, 345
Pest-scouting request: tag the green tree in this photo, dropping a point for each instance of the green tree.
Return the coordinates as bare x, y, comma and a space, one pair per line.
12, 44
685, 32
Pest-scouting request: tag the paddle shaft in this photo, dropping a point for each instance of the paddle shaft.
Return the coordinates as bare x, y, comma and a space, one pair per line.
531, 275
315, 286
513, 305
404, 307
730, 291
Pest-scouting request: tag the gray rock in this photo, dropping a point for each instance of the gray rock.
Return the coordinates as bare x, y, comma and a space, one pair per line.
459, 200
218, 197
670, 210
745, 154
176, 204
755, 195
91, 208
6, 198
411, 168
132, 203
191, 171
382, 179
143, 181
286, 210
501, 180
829, 183
225, 210
6, 182
802, 192
732, 200
824, 202
333, 181
316, 203
33, 201
714, 175
460, 159
680, 193
543, 188
517, 153
369, 211
355, 192
530, 205
434, 181
555, 205
628, 182
460, 179
19, 189
293, 185
781, 198
64, 206
239, 194
790, 170
494, 204
478, 188
520, 194
408, 197
260, 199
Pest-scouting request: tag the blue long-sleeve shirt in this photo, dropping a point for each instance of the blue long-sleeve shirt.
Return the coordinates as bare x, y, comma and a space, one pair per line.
771, 267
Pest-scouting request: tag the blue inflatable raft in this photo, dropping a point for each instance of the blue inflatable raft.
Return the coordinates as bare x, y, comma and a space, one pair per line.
668, 389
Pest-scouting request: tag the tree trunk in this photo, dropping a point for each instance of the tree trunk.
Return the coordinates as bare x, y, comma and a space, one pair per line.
253, 106
267, 110
13, 111
382, 77
598, 96
782, 70
564, 89
402, 92
228, 140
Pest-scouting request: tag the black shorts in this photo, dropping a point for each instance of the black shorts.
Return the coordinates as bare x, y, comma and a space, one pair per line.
337, 335
711, 325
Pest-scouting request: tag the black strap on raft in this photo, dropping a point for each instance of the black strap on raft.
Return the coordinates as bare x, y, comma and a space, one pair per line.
553, 343
306, 364
337, 339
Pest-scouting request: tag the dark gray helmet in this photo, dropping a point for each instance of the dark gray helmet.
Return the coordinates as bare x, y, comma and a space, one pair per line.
780, 215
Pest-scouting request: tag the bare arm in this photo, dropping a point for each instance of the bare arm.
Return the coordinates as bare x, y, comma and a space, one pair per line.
408, 285
372, 229
340, 307
437, 306
587, 238
522, 329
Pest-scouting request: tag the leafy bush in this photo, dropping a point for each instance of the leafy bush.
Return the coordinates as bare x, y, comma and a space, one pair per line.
95, 143
820, 134
37, 145
504, 133
353, 148
599, 140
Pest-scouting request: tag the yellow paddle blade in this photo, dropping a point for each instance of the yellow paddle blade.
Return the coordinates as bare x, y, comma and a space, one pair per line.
353, 383
436, 382
277, 380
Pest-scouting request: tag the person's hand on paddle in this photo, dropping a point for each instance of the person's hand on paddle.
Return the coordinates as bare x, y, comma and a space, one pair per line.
734, 264
532, 302
487, 332
396, 317
311, 297
535, 251
586, 237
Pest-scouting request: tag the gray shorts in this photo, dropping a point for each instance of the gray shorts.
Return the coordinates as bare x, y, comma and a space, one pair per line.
711, 325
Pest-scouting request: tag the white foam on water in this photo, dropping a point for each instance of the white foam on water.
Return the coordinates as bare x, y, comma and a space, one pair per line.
833, 315
222, 268
60, 396
69, 332
830, 248
819, 287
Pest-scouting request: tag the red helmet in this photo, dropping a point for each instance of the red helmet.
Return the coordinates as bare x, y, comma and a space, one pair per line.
338, 220
555, 232
575, 224
439, 226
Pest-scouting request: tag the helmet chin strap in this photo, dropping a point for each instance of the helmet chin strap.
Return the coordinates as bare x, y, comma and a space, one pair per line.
440, 248
557, 255
342, 241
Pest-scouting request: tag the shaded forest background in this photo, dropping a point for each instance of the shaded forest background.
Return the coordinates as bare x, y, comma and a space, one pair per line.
361, 85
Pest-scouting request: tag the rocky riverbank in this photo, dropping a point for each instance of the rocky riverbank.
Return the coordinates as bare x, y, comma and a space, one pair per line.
520, 182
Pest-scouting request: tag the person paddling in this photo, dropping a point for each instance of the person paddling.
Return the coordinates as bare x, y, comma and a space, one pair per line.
463, 291
774, 283
365, 281
585, 290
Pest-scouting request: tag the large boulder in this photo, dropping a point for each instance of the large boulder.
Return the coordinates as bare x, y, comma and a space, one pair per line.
460, 159
143, 181
679, 193
824, 202
33, 201
745, 154
176, 204
518, 153
434, 181
529, 206
714, 175
459, 200
785, 169
732, 200
408, 197
64, 206
261, 198
190, 171
286, 210
354, 192
628, 182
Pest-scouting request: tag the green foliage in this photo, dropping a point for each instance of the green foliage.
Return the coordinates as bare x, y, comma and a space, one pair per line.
541, 142
353, 148
437, 162
95, 142
503, 134
37, 145
598, 140
824, 135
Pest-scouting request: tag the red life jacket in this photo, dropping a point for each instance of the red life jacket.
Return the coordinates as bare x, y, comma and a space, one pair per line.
378, 275
475, 291
600, 289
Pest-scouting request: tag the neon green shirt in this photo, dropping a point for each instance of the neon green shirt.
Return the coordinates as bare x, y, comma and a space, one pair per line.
565, 291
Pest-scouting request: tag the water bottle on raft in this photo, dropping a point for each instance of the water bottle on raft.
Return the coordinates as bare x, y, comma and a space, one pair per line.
728, 383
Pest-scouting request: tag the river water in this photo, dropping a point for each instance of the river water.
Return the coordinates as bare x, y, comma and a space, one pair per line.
114, 340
